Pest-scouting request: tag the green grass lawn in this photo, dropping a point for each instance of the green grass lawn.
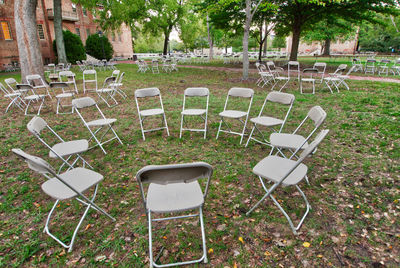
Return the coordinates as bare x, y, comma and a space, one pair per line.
354, 183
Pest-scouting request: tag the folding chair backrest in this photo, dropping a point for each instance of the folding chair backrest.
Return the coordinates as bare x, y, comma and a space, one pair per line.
196, 92
340, 69
36, 125
90, 72
271, 66
241, 92
83, 102
121, 77
115, 73
35, 80
68, 74
108, 81
313, 145
11, 83
317, 115
35, 163
4, 89
147, 92
280, 97
61, 85
320, 66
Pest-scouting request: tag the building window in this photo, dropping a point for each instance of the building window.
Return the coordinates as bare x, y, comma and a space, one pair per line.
73, 7
87, 32
84, 11
40, 31
6, 30
78, 32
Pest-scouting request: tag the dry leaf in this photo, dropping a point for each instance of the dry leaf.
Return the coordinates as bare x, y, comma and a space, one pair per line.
306, 244
241, 239
210, 251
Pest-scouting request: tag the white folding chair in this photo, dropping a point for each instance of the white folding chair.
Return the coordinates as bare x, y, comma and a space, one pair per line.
383, 67
69, 78
118, 84
66, 151
266, 77
370, 66
321, 67
154, 66
12, 85
278, 75
97, 124
116, 74
31, 98
195, 92
280, 170
297, 141
344, 77
37, 82
294, 68
333, 80
276, 71
269, 121
308, 76
81, 66
237, 92
359, 66
144, 114
166, 65
89, 81
174, 64
65, 94
71, 184
107, 91
174, 189
14, 98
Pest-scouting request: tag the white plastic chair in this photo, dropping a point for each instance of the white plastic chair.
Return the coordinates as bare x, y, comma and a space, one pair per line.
321, 67
32, 97
370, 66
97, 124
266, 77
107, 91
65, 94
37, 82
174, 189
195, 92
238, 92
144, 114
359, 66
116, 74
383, 67
269, 121
14, 98
118, 84
154, 66
69, 78
308, 76
71, 184
280, 170
294, 67
89, 81
66, 151
12, 85
333, 80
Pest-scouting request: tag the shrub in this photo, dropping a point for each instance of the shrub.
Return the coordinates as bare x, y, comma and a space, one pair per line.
73, 47
95, 45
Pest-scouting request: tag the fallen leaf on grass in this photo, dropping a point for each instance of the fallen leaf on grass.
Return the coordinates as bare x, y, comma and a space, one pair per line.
267, 253
210, 251
241, 239
306, 244
100, 258
88, 226
36, 204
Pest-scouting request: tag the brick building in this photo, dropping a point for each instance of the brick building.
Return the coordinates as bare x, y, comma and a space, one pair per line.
75, 19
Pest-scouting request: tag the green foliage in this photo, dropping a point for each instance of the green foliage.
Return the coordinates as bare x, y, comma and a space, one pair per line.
73, 47
279, 42
381, 37
148, 43
99, 47
332, 28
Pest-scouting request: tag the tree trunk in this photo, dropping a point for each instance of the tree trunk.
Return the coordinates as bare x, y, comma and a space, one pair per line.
295, 41
61, 56
166, 41
30, 57
210, 40
246, 41
327, 47
266, 39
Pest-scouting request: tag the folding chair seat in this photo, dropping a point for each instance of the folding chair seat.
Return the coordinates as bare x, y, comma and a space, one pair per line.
174, 189
287, 172
333, 80
69, 78
296, 141
102, 123
144, 114
89, 81
14, 98
71, 184
246, 93
37, 82
32, 97
309, 76
370, 66
66, 151
154, 66
194, 92
321, 67
65, 94
269, 121
118, 84
107, 91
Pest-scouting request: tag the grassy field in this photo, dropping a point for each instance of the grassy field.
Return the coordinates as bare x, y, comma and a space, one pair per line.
354, 184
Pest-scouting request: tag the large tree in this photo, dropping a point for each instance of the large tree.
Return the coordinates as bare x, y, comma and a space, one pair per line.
30, 57
61, 54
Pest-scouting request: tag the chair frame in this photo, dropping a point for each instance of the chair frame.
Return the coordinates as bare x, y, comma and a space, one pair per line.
70, 79
108, 89
144, 93
142, 178
90, 102
241, 93
39, 165
321, 67
14, 97
63, 87
311, 78
333, 79
193, 92
269, 191
269, 96
33, 97
30, 79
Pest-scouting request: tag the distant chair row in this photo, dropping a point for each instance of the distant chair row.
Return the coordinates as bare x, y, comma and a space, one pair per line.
168, 65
